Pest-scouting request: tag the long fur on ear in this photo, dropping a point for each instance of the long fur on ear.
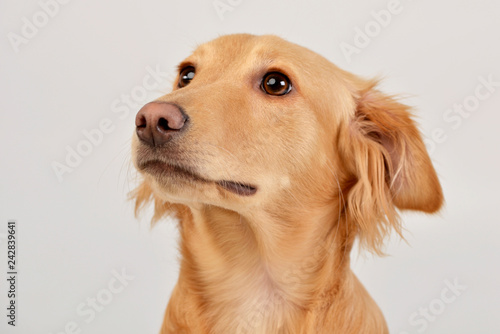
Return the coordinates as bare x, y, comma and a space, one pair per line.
384, 152
143, 195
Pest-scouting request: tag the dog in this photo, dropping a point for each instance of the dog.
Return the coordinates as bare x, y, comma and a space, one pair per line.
275, 161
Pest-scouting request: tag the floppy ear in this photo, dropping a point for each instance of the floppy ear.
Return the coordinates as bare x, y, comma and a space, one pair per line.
390, 164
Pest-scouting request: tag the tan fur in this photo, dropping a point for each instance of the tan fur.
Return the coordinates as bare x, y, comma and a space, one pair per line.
332, 161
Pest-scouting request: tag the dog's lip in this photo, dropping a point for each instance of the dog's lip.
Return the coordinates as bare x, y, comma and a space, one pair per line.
158, 167
238, 188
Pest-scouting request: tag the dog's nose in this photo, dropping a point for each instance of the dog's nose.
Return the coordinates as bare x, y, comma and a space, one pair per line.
158, 122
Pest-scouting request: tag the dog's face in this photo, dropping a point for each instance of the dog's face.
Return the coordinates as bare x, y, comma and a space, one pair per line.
257, 122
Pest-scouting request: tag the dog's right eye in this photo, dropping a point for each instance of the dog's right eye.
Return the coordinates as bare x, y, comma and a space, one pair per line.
185, 76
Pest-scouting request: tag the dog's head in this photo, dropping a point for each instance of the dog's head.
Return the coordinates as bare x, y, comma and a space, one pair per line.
258, 124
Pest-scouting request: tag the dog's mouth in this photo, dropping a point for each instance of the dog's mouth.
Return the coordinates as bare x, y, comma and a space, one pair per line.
162, 169
238, 188
159, 168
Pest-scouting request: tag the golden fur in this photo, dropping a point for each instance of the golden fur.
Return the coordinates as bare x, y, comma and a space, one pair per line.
331, 161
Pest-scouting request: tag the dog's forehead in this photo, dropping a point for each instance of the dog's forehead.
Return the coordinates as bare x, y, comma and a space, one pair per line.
250, 49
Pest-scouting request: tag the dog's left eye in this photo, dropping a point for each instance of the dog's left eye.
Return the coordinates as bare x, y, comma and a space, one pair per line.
276, 83
185, 76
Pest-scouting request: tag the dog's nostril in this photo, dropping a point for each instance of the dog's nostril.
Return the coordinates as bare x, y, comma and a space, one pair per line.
141, 121
163, 125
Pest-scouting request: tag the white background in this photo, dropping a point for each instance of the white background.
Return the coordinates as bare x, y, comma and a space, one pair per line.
73, 234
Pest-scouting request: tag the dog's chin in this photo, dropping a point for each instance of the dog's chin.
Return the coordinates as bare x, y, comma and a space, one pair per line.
183, 182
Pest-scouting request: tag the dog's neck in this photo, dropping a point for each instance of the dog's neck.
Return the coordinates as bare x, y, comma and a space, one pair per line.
262, 272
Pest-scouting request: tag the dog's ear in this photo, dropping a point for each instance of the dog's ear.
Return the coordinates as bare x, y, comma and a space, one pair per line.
384, 152
143, 195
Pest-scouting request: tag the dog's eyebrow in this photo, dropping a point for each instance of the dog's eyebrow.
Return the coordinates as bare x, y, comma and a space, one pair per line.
185, 64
